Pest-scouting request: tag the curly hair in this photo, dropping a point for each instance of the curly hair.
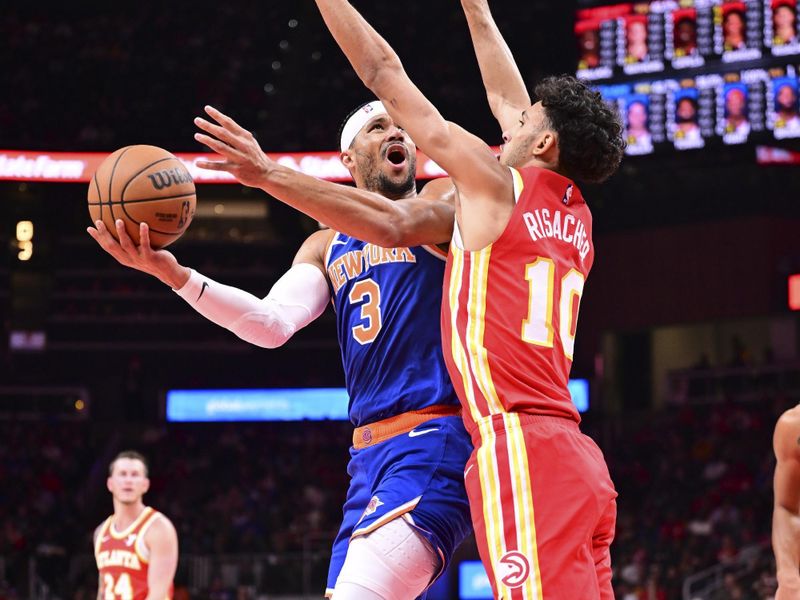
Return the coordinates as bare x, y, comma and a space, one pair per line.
590, 140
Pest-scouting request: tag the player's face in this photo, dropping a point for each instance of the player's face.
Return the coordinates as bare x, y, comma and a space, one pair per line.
783, 17
385, 157
735, 103
590, 40
637, 33
786, 98
685, 33
128, 481
734, 25
685, 110
524, 136
637, 116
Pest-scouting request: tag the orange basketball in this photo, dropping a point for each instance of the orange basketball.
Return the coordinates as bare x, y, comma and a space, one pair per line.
143, 183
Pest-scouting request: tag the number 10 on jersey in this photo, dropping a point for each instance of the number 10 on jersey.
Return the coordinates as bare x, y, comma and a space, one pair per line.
537, 328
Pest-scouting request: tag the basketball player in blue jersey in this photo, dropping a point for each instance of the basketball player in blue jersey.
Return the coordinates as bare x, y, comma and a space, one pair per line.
406, 508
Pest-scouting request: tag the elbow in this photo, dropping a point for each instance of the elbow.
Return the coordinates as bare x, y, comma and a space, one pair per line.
263, 330
268, 342
381, 75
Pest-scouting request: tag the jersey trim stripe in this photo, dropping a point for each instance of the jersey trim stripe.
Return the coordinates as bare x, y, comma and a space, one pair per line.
101, 533
479, 279
523, 503
435, 251
144, 554
390, 516
138, 521
471, 332
329, 247
519, 184
459, 354
492, 499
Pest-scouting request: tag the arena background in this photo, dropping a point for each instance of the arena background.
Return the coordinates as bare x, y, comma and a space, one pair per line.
686, 335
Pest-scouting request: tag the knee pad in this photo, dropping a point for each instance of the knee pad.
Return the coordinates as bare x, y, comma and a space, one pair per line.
394, 562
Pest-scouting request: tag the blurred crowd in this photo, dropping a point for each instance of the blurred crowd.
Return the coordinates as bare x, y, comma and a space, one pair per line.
695, 492
80, 78
694, 485
229, 489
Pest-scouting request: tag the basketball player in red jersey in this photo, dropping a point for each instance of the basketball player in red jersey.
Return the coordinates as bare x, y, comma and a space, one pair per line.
786, 513
136, 548
543, 504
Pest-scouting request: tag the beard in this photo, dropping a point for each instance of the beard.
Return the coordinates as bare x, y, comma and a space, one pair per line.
375, 180
518, 154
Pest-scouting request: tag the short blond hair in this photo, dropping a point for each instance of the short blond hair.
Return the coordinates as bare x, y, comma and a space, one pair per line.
133, 455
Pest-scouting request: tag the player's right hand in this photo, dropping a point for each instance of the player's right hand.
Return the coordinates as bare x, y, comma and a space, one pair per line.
158, 263
244, 158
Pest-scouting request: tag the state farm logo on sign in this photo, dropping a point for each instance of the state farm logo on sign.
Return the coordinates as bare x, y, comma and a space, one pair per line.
31, 166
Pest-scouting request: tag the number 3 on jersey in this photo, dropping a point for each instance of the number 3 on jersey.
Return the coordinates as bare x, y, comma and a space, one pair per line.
537, 329
368, 292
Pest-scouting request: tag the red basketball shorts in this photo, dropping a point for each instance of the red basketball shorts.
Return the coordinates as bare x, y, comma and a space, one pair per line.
543, 507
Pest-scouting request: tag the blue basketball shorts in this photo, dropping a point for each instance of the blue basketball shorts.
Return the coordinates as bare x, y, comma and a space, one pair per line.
417, 475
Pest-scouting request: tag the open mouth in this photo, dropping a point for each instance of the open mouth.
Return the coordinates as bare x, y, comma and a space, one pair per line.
396, 154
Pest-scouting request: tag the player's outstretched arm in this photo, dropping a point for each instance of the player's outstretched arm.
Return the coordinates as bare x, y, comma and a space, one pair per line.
505, 88
359, 213
786, 511
479, 178
296, 299
162, 542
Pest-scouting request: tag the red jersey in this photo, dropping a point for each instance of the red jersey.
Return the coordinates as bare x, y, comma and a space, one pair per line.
509, 311
122, 558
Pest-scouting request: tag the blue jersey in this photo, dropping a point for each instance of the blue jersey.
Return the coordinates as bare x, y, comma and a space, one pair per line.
388, 304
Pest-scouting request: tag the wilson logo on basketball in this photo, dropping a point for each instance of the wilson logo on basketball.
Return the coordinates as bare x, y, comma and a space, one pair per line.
515, 569
168, 177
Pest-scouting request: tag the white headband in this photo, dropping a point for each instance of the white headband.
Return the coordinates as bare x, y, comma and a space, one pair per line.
357, 121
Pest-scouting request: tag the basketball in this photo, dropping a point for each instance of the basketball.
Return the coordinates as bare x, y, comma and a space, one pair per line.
143, 184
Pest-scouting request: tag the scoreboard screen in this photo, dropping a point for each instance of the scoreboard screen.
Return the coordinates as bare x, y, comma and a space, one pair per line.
689, 74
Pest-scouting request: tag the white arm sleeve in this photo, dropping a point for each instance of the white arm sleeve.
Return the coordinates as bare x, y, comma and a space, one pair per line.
296, 299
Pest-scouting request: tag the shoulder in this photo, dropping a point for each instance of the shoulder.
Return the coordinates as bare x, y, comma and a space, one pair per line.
441, 188
787, 435
320, 238
159, 530
99, 529
314, 249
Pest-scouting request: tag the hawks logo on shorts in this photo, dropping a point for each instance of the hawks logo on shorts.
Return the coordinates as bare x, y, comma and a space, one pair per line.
514, 569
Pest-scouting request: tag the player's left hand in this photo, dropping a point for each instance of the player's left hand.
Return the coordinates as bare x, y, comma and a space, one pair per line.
244, 158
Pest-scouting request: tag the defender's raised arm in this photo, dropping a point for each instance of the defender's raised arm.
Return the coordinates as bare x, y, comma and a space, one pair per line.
505, 88
466, 158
